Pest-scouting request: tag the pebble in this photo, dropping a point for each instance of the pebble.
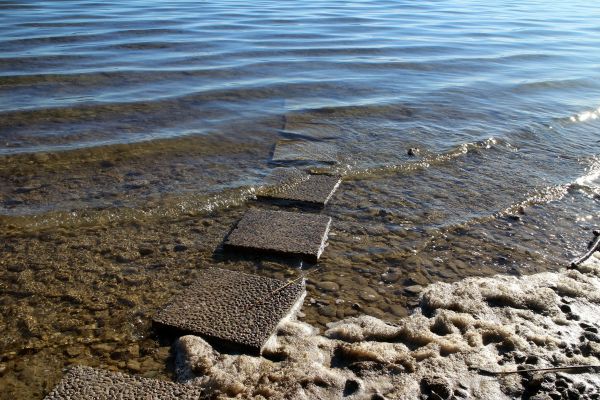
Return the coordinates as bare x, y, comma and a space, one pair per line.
397, 310
327, 311
103, 347
391, 277
145, 251
180, 247
74, 351
414, 289
368, 294
133, 365
328, 286
437, 385
413, 151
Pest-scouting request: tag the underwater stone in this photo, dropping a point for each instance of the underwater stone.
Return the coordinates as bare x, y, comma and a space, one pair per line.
304, 125
314, 191
304, 150
232, 308
83, 383
282, 232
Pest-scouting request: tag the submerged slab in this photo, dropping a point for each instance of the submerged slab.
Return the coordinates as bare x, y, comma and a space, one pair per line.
232, 308
315, 191
288, 233
83, 383
305, 125
304, 150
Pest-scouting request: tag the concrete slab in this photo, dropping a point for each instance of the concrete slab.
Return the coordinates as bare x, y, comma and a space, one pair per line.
287, 150
232, 309
289, 233
304, 125
315, 191
281, 178
83, 383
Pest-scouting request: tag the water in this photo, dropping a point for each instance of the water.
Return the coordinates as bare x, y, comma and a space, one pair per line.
127, 128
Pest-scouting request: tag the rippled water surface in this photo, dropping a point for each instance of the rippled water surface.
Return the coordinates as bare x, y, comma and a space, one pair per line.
134, 134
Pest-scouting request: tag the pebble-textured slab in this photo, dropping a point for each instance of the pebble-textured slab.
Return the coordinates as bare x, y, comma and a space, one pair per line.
83, 383
232, 308
305, 125
314, 191
289, 233
305, 150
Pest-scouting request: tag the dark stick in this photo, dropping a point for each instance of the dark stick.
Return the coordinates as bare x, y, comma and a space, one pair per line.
593, 248
520, 371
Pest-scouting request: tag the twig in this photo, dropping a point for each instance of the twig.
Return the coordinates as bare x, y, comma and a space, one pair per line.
593, 248
279, 289
520, 371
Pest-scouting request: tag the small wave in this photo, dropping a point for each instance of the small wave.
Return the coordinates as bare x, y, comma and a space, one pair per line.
589, 182
586, 115
171, 209
352, 172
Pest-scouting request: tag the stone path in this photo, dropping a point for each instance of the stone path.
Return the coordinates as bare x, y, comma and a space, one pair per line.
234, 309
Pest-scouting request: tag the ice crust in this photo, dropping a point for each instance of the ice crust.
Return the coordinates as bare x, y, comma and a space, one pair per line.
496, 324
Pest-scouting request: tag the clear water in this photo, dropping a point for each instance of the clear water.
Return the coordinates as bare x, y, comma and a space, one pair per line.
134, 125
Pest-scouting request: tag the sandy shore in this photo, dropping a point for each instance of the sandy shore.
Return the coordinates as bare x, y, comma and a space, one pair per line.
442, 350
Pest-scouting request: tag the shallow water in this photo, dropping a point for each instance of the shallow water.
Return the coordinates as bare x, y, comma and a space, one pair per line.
128, 129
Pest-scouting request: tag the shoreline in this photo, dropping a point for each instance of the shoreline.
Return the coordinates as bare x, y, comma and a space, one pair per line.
444, 348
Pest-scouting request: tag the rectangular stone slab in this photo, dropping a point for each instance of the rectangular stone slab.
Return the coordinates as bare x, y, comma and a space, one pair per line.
314, 191
289, 233
85, 383
304, 150
231, 308
306, 125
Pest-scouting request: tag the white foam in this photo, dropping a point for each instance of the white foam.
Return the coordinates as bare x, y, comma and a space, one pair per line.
478, 323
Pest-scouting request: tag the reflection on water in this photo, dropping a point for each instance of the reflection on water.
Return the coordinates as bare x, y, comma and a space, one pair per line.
134, 135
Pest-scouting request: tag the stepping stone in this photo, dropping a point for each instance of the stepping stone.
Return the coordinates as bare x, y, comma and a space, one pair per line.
281, 232
233, 309
304, 125
281, 177
83, 383
287, 150
315, 191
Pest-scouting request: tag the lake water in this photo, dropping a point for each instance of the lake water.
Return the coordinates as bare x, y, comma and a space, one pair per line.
127, 128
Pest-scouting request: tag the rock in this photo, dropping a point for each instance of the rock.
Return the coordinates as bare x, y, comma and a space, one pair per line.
369, 295
137, 184
327, 311
180, 247
327, 286
103, 347
398, 310
133, 365
145, 251
352, 386
391, 277
74, 351
413, 290
436, 385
